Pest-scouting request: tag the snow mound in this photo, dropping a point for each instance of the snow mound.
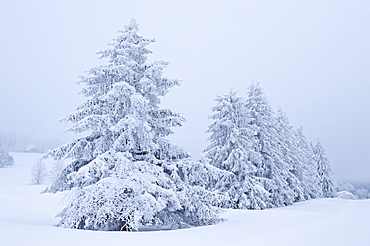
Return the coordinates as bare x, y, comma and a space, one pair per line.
346, 195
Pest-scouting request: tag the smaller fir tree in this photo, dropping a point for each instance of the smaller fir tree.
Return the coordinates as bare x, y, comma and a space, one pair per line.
306, 170
230, 150
6, 159
288, 151
272, 168
326, 180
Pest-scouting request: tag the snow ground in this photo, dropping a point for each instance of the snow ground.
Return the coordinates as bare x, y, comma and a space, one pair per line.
27, 218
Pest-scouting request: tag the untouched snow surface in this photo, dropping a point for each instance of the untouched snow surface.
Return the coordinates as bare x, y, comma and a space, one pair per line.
27, 218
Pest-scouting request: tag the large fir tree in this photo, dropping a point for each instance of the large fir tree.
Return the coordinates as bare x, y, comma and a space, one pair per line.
125, 171
122, 111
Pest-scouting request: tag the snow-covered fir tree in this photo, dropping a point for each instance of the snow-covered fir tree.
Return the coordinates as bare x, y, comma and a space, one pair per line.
125, 172
5, 158
305, 168
122, 110
288, 151
228, 133
262, 154
326, 180
137, 193
272, 169
231, 150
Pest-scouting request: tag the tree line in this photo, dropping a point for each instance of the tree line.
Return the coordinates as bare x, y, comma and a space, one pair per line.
124, 173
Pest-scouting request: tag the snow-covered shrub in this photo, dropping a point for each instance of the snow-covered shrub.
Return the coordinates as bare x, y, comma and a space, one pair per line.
346, 195
62, 180
55, 170
5, 158
39, 172
358, 190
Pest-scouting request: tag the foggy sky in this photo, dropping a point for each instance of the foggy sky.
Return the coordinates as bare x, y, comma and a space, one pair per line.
311, 58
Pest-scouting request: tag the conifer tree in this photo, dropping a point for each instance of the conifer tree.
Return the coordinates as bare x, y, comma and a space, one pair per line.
288, 151
306, 170
228, 133
272, 169
267, 162
5, 158
122, 111
326, 180
231, 150
125, 171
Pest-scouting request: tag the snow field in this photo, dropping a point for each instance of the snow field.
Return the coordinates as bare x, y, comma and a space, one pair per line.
27, 218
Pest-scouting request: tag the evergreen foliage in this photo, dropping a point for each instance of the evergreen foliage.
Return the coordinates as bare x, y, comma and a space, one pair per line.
306, 168
6, 159
268, 162
271, 167
122, 111
135, 193
231, 150
326, 179
288, 153
124, 173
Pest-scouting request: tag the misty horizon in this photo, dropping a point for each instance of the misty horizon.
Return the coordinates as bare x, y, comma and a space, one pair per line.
311, 59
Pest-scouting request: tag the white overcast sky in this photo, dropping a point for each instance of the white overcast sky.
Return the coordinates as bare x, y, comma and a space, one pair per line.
312, 58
